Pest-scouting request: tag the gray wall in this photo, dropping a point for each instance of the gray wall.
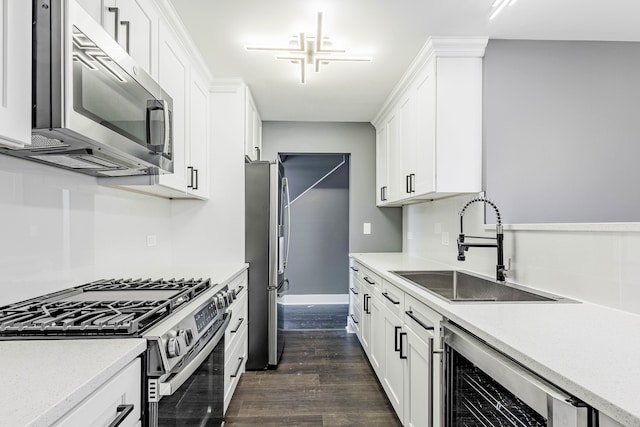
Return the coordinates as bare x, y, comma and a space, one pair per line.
357, 139
319, 246
562, 130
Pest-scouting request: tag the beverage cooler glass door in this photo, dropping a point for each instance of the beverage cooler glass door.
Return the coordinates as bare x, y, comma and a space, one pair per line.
483, 387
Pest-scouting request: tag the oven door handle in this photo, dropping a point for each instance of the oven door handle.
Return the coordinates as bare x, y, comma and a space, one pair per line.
169, 387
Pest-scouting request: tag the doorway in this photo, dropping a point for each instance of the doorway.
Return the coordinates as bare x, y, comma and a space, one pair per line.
317, 267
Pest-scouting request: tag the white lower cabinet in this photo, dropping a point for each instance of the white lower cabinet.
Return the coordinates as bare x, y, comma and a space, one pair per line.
399, 334
120, 394
236, 337
392, 375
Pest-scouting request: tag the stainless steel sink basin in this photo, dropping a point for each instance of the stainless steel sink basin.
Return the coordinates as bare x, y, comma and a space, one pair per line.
456, 286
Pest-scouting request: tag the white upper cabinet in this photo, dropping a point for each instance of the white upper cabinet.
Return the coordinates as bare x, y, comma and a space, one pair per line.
15, 73
198, 145
133, 24
174, 77
253, 129
433, 122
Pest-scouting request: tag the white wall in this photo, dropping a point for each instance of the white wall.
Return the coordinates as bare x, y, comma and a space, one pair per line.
61, 229
595, 266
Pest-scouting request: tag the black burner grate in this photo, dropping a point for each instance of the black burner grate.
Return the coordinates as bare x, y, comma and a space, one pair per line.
52, 316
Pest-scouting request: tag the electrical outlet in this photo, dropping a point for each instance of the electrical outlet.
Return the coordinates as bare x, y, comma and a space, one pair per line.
445, 238
409, 235
152, 240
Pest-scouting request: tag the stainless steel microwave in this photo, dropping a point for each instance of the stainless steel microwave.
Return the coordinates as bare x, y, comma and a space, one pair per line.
95, 111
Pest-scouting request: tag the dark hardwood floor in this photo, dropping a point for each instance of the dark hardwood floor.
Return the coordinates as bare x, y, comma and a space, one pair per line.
317, 316
323, 379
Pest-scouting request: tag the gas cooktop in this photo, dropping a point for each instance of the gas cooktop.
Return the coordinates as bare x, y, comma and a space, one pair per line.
105, 308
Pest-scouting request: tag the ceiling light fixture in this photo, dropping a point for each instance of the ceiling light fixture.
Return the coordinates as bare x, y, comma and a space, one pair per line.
310, 50
498, 5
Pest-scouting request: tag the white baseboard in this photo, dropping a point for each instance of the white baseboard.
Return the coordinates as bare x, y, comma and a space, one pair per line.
313, 299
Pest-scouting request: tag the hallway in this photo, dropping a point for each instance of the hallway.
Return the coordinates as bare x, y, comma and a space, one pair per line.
323, 379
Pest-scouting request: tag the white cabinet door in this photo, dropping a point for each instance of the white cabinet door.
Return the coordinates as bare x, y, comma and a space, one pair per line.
15, 72
381, 166
367, 321
253, 129
198, 143
394, 352
424, 146
417, 380
395, 190
138, 32
133, 24
174, 78
104, 405
377, 338
407, 146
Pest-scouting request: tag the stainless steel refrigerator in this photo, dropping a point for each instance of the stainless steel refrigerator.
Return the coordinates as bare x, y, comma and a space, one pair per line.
266, 248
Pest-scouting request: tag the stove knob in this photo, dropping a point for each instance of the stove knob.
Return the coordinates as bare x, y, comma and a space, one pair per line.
220, 300
187, 336
173, 347
233, 294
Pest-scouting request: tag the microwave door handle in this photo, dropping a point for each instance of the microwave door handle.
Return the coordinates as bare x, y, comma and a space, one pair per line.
155, 105
167, 125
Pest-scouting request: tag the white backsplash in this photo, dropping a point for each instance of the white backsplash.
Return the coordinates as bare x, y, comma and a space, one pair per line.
61, 229
596, 266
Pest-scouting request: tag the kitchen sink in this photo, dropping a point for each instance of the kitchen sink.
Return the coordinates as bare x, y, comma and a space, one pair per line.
457, 286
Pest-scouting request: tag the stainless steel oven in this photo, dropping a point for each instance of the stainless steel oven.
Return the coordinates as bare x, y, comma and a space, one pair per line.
183, 321
484, 387
185, 366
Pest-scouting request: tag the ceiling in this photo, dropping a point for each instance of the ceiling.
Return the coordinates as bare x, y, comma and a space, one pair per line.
391, 32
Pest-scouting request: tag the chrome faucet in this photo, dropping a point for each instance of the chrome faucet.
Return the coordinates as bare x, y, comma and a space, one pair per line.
463, 246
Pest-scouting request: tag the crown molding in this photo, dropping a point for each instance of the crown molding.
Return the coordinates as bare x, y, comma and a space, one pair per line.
173, 20
451, 47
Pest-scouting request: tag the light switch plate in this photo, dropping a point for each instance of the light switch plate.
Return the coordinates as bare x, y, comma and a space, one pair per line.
445, 238
366, 228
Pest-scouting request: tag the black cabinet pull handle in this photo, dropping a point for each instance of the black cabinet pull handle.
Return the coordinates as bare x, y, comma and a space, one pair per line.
418, 321
402, 355
396, 344
190, 169
353, 291
354, 319
412, 182
240, 320
369, 281
240, 288
354, 268
195, 187
127, 29
116, 12
235, 374
122, 411
386, 295
365, 304
407, 184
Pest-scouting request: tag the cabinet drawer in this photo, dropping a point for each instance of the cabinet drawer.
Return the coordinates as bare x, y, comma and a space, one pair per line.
355, 269
235, 362
393, 299
239, 319
422, 320
239, 283
354, 321
369, 278
102, 406
354, 291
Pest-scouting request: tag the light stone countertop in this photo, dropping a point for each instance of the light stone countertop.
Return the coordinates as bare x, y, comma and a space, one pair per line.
590, 351
41, 380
